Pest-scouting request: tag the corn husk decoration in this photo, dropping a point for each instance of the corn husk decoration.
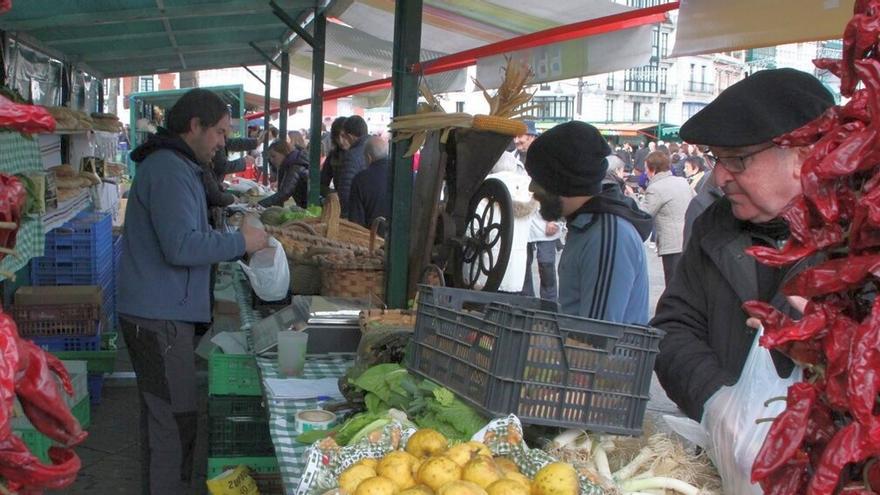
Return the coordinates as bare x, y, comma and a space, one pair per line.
504, 106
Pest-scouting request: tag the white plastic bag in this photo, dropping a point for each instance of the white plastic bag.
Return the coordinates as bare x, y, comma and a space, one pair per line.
728, 430
268, 272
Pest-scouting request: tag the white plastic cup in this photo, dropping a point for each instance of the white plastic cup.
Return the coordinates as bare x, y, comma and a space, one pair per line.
292, 352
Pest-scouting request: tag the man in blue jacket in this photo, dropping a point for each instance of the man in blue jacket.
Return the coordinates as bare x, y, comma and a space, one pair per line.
603, 272
168, 249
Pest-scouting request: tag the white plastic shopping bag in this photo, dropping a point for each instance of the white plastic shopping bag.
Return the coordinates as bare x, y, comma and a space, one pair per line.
268, 272
728, 431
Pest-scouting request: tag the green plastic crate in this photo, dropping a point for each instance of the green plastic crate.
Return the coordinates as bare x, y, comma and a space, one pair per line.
233, 374
264, 471
103, 361
39, 444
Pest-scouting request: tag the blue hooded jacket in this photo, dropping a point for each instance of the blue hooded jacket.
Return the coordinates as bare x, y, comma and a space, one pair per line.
168, 246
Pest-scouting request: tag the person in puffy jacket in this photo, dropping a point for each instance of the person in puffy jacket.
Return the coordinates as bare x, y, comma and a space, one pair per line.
293, 175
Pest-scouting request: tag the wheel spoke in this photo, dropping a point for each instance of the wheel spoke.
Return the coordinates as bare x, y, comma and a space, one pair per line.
491, 240
473, 271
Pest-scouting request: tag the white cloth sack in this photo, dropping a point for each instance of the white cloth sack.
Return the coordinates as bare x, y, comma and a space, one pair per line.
728, 431
268, 272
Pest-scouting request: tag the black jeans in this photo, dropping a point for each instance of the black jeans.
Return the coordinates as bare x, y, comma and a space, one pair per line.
164, 361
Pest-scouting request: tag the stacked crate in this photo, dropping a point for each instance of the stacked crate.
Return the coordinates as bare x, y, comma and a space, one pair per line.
238, 423
81, 252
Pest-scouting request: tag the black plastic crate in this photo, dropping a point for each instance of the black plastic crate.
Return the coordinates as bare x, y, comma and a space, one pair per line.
236, 405
239, 436
505, 355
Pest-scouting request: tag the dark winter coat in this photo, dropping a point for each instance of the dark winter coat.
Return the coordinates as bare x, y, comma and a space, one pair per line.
293, 181
353, 162
369, 196
707, 340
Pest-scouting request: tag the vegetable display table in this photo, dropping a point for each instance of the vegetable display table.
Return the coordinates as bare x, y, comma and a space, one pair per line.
290, 453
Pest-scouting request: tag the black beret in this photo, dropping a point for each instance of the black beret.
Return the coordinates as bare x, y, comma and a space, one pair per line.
761, 107
569, 159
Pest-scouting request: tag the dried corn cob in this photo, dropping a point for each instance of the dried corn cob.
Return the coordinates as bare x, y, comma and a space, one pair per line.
499, 125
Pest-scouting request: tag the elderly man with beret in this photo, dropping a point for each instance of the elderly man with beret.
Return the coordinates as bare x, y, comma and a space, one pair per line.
707, 339
603, 271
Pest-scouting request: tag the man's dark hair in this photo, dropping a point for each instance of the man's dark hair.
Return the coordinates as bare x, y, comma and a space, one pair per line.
199, 103
356, 126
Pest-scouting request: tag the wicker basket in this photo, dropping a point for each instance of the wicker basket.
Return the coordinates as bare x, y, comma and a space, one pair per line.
331, 226
356, 275
305, 270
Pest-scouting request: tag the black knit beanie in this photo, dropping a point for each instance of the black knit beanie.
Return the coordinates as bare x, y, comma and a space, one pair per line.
569, 160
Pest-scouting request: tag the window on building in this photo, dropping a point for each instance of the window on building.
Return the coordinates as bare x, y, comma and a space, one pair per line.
145, 83
609, 110
637, 111
641, 79
664, 45
662, 116
459, 106
688, 109
703, 74
551, 108
609, 83
664, 75
655, 43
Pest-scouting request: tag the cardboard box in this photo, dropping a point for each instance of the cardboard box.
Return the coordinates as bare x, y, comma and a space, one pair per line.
68, 294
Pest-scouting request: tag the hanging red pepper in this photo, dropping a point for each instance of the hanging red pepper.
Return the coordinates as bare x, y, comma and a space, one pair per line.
846, 447
836, 345
25, 118
811, 326
863, 382
787, 432
5, 6
791, 478
835, 275
8, 367
793, 251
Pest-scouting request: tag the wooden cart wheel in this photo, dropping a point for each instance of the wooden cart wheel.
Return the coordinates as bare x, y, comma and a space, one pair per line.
481, 261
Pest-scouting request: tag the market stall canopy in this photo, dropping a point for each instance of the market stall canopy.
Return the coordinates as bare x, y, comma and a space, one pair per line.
711, 26
361, 42
113, 38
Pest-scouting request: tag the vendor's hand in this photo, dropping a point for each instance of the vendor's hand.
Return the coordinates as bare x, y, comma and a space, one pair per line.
255, 238
552, 228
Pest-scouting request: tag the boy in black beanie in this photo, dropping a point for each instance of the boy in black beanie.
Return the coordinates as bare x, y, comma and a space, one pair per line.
603, 272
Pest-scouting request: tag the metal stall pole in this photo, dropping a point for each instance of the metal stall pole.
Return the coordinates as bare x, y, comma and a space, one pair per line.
320, 34
267, 104
405, 84
285, 86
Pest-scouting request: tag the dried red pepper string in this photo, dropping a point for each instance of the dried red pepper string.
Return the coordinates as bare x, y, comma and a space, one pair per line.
787, 432
8, 367
25, 118
838, 215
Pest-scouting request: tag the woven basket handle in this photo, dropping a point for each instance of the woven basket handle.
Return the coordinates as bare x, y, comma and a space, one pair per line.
298, 224
374, 232
330, 216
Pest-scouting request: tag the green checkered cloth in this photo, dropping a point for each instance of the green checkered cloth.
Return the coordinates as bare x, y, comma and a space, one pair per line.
291, 454
19, 154
29, 243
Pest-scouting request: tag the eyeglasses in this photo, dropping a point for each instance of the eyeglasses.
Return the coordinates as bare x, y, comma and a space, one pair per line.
736, 164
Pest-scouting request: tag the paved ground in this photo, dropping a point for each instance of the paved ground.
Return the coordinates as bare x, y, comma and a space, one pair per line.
111, 455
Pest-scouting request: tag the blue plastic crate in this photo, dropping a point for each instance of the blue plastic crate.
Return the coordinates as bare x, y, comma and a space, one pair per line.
47, 271
66, 343
87, 228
